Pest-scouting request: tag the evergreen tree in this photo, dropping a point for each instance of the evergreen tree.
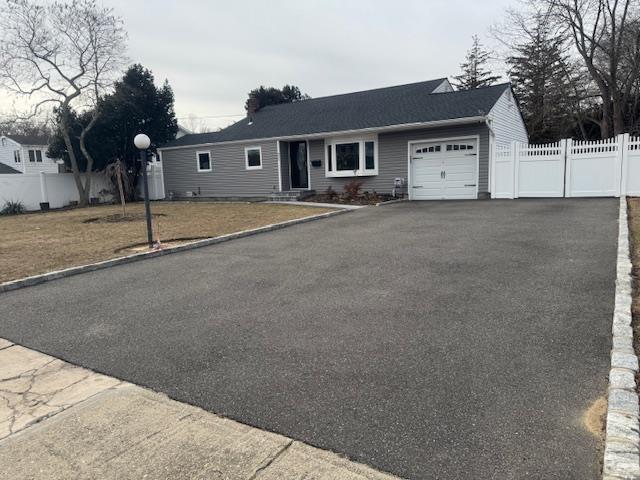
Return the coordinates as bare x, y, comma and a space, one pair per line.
263, 96
136, 105
540, 73
475, 73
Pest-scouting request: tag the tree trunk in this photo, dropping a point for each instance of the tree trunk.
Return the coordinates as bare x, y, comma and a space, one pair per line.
605, 123
87, 155
618, 116
83, 198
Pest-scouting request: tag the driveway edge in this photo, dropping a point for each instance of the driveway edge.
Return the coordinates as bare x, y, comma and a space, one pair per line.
68, 272
622, 444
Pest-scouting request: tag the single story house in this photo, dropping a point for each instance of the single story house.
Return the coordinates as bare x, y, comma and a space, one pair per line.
423, 138
26, 154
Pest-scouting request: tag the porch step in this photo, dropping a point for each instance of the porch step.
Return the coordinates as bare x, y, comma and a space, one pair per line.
291, 195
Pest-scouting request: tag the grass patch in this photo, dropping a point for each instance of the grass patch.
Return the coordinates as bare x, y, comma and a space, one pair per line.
37, 243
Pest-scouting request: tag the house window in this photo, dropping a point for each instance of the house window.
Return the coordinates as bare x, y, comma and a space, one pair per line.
204, 161
347, 156
351, 157
253, 158
35, 156
431, 149
369, 157
16, 156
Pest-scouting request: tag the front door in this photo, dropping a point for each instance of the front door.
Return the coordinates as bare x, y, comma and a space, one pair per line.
298, 164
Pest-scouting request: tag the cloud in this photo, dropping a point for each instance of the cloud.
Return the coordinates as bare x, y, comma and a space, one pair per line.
214, 52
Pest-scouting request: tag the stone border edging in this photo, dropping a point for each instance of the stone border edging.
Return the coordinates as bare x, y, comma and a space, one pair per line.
68, 272
389, 202
622, 443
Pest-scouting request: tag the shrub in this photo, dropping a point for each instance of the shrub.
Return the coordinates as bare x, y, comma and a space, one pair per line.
352, 189
330, 193
12, 208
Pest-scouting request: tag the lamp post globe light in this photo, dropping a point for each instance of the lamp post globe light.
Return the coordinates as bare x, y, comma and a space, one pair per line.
142, 142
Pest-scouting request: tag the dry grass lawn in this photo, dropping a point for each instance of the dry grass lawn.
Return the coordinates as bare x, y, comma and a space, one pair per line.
41, 242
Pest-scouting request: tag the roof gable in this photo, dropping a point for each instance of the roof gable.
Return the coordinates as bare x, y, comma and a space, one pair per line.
38, 140
379, 108
7, 169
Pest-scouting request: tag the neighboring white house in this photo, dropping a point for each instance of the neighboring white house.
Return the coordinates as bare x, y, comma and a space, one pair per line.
27, 175
27, 154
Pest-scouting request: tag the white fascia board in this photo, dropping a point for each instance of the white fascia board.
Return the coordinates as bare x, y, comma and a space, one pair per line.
311, 136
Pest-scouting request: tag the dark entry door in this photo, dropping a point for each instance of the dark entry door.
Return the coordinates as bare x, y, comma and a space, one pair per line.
298, 156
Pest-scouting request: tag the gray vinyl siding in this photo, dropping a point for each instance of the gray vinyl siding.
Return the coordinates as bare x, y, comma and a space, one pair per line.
507, 122
393, 153
229, 176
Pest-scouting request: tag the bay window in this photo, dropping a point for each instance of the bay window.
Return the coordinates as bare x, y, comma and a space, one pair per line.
351, 157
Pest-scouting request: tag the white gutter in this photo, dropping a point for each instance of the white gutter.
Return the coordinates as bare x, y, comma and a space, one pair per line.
403, 126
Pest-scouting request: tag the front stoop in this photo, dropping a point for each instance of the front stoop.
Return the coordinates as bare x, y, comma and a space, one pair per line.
622, 444
291, 195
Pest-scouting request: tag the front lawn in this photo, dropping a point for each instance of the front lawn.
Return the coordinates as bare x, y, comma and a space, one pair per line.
36, 243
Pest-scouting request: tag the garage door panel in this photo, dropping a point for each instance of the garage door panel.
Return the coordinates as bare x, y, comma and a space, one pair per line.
438, 173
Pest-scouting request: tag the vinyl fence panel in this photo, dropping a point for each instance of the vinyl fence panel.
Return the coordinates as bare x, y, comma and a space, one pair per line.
539, 170
631, 166
594, 168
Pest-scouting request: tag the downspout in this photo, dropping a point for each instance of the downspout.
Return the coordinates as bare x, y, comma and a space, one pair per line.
492, 141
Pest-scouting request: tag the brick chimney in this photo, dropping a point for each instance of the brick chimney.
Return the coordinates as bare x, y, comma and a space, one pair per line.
252, 107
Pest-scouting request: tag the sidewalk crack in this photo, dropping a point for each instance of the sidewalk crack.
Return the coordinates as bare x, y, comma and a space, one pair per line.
270, 460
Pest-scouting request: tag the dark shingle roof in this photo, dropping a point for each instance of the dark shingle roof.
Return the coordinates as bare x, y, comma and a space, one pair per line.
7, 169
29, 139
413, 103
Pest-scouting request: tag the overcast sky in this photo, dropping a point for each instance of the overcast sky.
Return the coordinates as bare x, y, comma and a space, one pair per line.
214, 52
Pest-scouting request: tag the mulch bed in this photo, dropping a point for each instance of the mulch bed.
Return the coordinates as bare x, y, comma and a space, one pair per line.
117, 218
365, 198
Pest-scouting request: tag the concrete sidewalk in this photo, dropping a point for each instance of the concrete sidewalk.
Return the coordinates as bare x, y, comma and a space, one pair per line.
59, 421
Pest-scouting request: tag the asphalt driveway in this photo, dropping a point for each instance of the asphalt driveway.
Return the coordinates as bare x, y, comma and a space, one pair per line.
452, 340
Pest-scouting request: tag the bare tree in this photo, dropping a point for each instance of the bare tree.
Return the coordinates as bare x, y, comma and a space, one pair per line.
606, 34
195, 124
64, 55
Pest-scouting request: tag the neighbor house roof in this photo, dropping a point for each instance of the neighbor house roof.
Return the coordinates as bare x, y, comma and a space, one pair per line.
29, 139
7, 169
382, 107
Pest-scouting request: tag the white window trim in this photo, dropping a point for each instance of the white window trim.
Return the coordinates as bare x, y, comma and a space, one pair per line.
362, 171
17, 157
246, 158
198, 153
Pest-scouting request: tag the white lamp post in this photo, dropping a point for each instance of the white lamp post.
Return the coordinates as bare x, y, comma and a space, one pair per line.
142, 142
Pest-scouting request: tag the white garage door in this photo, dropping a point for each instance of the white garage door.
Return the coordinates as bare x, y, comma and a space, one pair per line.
444, 170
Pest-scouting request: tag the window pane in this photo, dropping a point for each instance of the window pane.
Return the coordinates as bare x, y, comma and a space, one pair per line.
329, 159
369, 161
32, 156
253, 157
347, 156
16, 156
204, 161
38, 155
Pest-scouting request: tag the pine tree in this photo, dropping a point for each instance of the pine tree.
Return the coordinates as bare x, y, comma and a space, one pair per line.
541, 77
475, 74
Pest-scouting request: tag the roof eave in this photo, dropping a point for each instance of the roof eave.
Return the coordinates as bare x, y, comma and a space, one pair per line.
311, 136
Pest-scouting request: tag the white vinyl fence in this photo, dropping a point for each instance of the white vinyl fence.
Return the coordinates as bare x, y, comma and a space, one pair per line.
59, 189
605, 168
